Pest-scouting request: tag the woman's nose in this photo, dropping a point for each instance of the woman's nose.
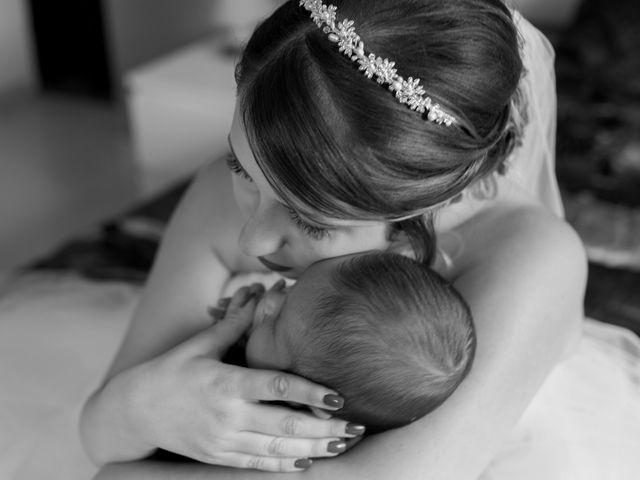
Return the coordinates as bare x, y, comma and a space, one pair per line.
261, 235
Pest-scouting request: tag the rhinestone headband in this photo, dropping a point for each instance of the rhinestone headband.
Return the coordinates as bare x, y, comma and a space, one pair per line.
408, 92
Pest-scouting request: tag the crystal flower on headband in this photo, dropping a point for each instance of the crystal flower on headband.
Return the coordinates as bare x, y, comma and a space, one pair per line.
408, 92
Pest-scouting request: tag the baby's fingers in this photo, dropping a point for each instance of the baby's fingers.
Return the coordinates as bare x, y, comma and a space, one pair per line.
278, 286
223, 303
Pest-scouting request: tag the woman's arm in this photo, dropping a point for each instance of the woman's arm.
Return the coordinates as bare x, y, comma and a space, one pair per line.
161, 357
187, 276
525, 291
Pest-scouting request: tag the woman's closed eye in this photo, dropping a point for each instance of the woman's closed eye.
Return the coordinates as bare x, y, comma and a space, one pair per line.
313, 231
234, 165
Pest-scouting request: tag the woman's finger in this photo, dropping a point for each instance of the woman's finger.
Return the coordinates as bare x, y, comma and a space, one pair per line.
215, 340
266, 464
282, 421
320, 413
288, 447
271, 385
236, 323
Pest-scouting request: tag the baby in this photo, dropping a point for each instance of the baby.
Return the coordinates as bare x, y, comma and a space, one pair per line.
386, 332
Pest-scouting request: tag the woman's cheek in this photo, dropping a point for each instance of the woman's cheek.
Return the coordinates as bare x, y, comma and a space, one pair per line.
332, 246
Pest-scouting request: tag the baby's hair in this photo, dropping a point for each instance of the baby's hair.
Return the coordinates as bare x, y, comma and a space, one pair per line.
336, 144
390, 335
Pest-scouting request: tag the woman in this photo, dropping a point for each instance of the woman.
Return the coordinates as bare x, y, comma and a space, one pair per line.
327, 162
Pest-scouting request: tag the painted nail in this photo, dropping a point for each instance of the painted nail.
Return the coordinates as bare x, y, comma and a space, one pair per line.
354, 429
303, 463
336, 446
335, 401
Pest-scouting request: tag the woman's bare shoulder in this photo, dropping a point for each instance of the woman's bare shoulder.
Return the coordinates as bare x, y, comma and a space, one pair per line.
527, 248
523, 273
208, 213
531, 231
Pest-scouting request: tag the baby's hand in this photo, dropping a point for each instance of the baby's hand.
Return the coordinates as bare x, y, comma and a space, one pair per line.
219, 312
269, 304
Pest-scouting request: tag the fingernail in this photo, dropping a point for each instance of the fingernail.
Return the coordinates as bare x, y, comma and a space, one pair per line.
303, 463
335, 401
354, 429
336, 446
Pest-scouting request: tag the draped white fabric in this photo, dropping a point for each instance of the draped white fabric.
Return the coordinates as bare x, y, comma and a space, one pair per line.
57, 337
533, 167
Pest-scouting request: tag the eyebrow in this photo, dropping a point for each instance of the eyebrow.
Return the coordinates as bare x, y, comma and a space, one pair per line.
312, 221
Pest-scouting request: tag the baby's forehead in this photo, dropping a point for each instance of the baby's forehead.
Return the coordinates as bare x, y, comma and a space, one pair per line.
318, 275
309, 287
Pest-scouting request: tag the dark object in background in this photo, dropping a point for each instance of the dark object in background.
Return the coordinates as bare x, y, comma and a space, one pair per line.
114, 254
598, 148
71, 47
122, 249
598, 79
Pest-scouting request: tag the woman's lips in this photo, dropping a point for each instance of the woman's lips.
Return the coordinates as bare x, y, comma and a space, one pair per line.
273, 266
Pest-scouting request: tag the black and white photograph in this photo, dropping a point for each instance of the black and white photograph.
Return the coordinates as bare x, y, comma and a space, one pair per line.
319, 239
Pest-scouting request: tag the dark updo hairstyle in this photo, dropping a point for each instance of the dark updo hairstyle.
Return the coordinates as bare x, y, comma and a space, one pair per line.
335, 144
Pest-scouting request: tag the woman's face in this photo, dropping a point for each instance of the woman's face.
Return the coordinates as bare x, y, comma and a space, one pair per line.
274, 233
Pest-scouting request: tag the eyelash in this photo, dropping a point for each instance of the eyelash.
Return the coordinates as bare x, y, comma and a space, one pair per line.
317, 233
234, 165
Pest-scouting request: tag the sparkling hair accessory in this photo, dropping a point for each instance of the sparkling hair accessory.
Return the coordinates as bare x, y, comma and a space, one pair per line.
408, 91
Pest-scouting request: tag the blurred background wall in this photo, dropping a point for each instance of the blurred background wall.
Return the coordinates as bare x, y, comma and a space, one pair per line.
16, 62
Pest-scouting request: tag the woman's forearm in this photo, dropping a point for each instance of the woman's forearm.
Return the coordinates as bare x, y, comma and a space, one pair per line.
106, 427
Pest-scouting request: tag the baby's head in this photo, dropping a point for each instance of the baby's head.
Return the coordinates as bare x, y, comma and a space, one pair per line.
386, 332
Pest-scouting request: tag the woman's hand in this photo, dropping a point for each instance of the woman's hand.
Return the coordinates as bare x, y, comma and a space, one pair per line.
188, 402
